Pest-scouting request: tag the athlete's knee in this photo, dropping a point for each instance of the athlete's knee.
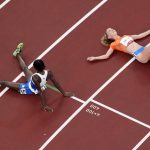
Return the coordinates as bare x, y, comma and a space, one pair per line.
144, 61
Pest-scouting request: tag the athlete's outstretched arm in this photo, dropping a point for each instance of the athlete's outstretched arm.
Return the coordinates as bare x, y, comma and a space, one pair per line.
57, 85
41, 93
141, 35
105, 56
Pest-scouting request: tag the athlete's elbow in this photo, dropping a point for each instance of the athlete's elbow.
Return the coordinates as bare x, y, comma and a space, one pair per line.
106, 56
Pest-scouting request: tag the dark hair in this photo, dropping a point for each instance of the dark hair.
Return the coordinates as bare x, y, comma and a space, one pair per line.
39, 65
106, 41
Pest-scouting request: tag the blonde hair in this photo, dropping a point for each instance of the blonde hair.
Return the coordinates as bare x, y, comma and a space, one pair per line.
106, 41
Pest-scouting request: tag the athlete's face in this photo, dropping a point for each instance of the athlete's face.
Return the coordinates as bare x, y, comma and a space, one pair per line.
111, 33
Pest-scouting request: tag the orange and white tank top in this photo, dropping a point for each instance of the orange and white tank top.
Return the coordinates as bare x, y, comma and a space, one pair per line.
121, 43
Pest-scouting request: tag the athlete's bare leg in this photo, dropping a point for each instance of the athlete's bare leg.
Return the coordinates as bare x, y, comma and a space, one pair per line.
24, 67
11, 85
28, 73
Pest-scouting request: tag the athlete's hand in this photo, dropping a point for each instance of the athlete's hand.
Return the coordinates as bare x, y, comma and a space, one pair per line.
68, 94
91, 58
47, 108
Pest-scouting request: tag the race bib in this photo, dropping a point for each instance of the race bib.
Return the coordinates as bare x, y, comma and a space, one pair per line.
126, 40
23, 91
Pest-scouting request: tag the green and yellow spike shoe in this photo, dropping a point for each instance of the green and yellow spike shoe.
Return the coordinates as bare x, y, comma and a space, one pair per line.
18, 49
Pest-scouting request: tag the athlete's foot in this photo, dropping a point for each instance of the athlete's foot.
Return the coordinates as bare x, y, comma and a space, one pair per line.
18, 49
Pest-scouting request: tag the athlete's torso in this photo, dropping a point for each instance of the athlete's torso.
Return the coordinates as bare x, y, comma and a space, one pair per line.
43, 79
125, 44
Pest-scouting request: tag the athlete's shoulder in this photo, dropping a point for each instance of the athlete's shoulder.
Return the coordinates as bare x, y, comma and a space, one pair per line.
50, 74
36, 77
116, 42
113, 44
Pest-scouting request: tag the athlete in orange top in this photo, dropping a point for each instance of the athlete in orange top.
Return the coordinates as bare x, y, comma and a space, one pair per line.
125, 44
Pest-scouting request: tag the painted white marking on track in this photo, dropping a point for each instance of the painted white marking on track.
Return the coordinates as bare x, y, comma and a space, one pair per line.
121, 114
142, 141
4, 3
60, 39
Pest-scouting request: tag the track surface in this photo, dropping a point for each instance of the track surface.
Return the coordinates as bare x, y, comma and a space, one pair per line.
39, 24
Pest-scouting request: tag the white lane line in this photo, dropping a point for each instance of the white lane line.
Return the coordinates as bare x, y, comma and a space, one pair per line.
121, 114
77, 99
85, 103
60, 39
91, 100
79, 110
142, 141
112, 78
113, 110
70, 119
64, 125
4, 3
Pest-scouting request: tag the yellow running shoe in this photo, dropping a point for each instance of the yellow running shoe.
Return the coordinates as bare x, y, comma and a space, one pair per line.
18, 49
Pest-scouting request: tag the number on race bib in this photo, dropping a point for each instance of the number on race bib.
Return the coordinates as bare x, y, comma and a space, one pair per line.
23, 91
126, 40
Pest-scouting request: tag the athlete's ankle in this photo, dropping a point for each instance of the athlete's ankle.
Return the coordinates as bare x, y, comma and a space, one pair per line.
18, 56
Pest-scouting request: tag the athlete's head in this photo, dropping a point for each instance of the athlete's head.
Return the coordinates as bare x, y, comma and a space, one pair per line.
108, 37
39, 65
111, 33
